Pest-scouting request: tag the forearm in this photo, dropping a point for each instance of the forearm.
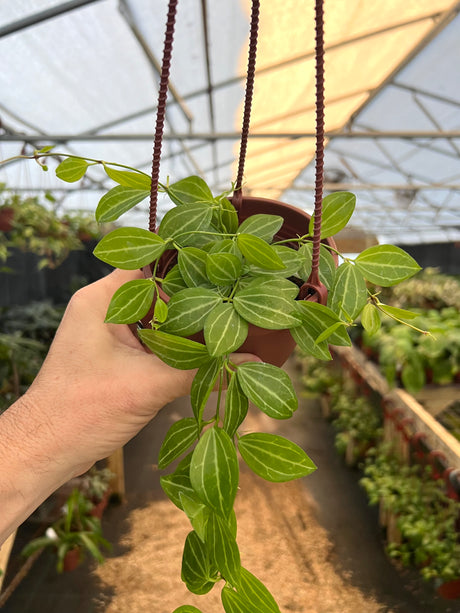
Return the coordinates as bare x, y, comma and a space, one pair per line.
30, 466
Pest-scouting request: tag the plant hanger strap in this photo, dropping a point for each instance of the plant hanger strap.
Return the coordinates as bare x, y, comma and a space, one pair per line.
161, 111
314, 285
237, 194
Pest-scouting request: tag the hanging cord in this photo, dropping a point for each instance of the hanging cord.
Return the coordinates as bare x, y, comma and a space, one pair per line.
314, 284
237, 195
161, 111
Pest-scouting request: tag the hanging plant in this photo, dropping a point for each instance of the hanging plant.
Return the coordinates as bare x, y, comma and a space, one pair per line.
218, 275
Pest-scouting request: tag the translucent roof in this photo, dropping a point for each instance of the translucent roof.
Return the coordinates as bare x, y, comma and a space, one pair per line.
83, 74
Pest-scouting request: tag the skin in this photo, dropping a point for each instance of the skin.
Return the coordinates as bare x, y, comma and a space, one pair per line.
97, 388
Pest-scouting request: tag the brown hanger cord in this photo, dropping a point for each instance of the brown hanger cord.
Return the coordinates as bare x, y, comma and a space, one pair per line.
161, 111
319, 169
237, 195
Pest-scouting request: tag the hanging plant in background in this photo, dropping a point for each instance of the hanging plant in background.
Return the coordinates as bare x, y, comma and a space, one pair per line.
212, 278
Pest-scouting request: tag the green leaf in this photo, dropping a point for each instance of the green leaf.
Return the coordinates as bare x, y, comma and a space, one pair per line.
329, 331
222, 548
274, 458
71, 169
261, 225
45, 149
223, 268
198, 514
188, 310
255, 592
398, 313
135, 180
191, 190
370, 318
268, 304
349, 292
327, 265
117, 201
130, 248
177, 440
131, 302
197, 572
226, 245
319, 318
214, 470
291, 259
178, 352
187, 608
233, 602
413, 374
182, 222
386, 265
192, 266
236, 407
306, 336
160, 311
202, 386
228, 216
224, 330
173, 281
269, 388
259, 253
179, 482
337, 210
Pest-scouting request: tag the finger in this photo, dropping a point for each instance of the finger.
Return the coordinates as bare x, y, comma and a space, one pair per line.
241, 358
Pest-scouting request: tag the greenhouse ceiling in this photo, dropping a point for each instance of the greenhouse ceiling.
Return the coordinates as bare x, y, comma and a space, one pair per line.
83, 75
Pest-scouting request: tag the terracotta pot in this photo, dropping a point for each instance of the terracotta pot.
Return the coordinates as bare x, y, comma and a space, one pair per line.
100, 506
6, 219
273, 346
72, 559
450, 590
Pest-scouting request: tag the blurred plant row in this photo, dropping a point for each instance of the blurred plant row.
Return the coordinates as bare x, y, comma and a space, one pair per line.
426, 517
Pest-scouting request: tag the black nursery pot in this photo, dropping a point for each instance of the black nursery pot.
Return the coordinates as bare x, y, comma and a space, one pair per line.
272, 346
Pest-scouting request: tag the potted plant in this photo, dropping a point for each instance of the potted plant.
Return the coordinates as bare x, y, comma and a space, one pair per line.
217, 279
96, 487
75, 533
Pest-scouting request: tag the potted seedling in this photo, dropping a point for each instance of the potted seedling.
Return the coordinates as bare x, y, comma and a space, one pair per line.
96, 486
73, 535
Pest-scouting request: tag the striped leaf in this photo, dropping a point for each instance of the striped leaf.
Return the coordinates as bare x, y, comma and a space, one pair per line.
181, 353
274, 458
197, 572
71, 169
269, 388
337, 210
222, 548
370, 319
190, 190
130, 248
291, 259
202, 386
258, 252
117, 201
214, 470
319, 318
227, 245
188, 310
397, 313
306, 336
173, 282
261, 225
267, 304
349, 292
228, 216
386, 265
160, 311
192, 266
131, 302
236, 407
198, 514
127, 178
224, 330
255, 592
187, 608
223, 268
179, 483
181, 222
234, 602
177, 440
327, 265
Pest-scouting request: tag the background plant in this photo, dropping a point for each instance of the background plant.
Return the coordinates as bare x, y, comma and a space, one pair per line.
225, 276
